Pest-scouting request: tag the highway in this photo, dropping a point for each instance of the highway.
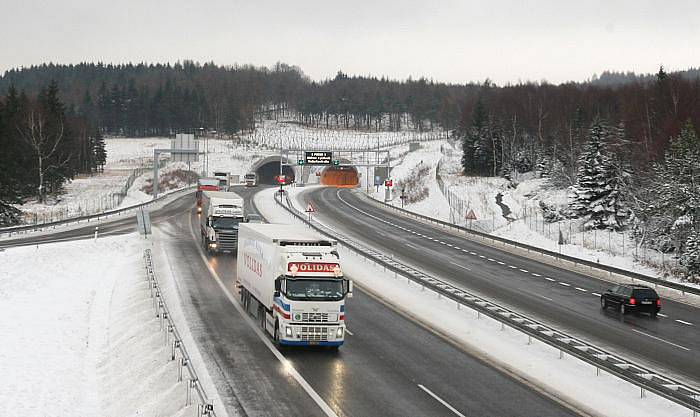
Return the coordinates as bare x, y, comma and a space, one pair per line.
561, 298
389, 366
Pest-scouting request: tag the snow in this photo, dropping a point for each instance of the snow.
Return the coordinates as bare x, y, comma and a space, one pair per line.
80, 337
525, 222
536, 363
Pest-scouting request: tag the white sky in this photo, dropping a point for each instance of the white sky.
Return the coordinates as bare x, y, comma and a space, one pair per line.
450, 40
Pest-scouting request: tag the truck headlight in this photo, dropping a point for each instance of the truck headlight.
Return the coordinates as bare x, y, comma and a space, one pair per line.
288, 331
212, 245
339, 333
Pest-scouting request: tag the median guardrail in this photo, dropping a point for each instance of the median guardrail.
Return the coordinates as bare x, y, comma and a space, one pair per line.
646, 379
607, 268
87, 218
205, 408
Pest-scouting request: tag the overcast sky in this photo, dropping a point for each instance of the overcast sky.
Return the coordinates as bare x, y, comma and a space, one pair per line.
449, 40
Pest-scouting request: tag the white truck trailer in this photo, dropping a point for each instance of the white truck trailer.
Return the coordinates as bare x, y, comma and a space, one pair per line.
222, 213
291, 279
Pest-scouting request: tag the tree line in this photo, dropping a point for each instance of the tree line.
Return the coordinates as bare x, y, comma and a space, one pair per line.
42, 146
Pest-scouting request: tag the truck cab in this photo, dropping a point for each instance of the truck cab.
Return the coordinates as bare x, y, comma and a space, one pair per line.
251, 179
222, 213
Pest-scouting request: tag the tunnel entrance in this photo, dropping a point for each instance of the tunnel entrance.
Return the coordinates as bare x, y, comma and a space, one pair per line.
340, 176
267, 172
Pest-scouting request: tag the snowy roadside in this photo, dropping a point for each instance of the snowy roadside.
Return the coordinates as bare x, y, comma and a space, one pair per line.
523, 222
535, 364
80, 337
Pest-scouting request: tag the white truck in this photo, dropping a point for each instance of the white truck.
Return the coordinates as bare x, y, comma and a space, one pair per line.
291, 279
222, 213
251, 179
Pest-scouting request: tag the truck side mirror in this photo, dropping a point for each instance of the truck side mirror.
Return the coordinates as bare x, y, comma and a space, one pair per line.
278, 285
349, 295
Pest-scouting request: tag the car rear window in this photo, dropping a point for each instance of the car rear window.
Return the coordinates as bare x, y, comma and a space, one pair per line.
645, 293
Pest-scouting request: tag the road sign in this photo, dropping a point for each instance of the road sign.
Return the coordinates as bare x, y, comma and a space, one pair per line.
318, 158
389, 183
377, 180
336, 162
470, 215
300, 162
310, 209
280, 179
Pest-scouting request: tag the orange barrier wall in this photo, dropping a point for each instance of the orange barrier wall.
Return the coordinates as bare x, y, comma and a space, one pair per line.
345, 177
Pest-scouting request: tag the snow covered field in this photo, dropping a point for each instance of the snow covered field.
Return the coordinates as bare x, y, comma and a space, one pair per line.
79, 334
538, 364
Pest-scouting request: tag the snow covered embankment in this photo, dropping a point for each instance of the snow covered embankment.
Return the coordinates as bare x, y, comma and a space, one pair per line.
80, 337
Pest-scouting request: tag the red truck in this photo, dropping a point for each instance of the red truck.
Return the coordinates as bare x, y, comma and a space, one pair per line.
205, 184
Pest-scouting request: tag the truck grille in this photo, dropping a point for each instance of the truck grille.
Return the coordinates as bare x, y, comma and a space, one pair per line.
227, 241
313, 334
314, 317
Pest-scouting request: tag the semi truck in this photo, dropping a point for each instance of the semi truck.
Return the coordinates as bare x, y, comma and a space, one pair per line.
222, 213
251, 179
223, 178
205, 184
291, 279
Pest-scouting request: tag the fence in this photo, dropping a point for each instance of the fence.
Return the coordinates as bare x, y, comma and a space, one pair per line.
178, 351
646, 379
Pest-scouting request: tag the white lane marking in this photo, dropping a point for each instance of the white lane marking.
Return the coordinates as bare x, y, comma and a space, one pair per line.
582, 289
473, 253
685, 322
449, 245
482, 256
596, 294
550, 279
524, 270
441, 401
461, 266
512, 266
492, 260
349, 332
266, 341
411, 246
546, 298
565, 284
441, 242
662, 315
537, 275
661, 340
501, 263
465, 251
457, 247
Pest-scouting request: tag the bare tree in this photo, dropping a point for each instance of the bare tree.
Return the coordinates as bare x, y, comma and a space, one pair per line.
44, 143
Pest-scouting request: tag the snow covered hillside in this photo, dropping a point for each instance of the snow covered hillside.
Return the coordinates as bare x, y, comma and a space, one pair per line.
518, 210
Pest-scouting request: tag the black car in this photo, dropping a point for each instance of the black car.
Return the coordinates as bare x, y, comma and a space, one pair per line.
632, 297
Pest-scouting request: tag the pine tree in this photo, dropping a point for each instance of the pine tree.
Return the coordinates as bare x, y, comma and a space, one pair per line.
596, 197
100, 153
691, 257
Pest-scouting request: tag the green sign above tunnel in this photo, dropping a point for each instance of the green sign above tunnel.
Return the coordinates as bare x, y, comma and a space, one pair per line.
318, 157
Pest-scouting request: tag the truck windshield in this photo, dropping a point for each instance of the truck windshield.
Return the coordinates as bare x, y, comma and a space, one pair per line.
225, 222
315, 289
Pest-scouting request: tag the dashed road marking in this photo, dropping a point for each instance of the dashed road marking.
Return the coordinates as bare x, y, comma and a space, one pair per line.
537, 275
582, 289
349, 332
596, 294
501, 263
460, 266
550, 279
524, 270
565, 284
441, 401
492, 260
512, 266
662, 340
685, 322
662, 315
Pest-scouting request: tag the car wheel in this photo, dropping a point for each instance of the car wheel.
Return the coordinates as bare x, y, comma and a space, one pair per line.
653, 314
623, 310
603, 303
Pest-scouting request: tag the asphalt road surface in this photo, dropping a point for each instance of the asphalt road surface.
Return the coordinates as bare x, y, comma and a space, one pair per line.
564, 299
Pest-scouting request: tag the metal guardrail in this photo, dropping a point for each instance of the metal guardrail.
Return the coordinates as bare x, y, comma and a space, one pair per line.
33, 227
646, 379
204, 407
607, 268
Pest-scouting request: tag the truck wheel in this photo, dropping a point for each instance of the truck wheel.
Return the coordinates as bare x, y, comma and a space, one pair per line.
261, 314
